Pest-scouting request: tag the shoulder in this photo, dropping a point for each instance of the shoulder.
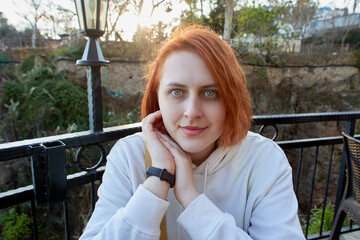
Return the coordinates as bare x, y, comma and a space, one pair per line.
131, 142
266, 164
261, 153
127, 151
257, 142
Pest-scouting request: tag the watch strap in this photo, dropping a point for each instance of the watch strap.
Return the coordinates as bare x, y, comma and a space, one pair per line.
163, 174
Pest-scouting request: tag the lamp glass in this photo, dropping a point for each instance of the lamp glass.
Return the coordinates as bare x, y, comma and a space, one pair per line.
80, 14
91, 11
103, 12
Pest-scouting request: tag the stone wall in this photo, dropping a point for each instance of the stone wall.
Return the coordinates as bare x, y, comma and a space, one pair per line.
274, 90
307, 76
124, 77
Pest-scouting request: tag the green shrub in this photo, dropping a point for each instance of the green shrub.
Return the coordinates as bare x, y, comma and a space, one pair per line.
356, 53
15, 226
115, 119
47, 101
75, 52
315, 219
13, 90
28, 63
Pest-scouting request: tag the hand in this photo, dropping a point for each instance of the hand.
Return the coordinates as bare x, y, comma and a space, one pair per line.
185, 190
152, 126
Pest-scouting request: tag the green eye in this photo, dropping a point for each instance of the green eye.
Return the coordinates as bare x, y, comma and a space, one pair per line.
176, 92
210, 93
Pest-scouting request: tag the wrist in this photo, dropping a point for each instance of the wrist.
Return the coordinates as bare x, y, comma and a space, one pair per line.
168, 167
188, 198
162, 174
157, 187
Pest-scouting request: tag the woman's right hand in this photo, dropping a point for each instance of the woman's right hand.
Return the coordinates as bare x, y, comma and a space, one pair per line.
160, 156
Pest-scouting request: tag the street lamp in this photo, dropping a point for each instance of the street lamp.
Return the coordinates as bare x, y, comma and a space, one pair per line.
92, 16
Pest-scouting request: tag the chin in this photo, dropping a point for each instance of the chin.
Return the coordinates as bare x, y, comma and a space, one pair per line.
192, 147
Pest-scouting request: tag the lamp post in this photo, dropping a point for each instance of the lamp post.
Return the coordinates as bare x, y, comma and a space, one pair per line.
92, 16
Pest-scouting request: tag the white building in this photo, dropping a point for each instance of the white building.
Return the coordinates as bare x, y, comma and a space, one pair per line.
283, 45
326, 19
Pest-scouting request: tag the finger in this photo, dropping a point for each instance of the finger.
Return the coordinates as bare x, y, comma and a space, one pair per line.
148, 123
174, 149
151, 118
169, 140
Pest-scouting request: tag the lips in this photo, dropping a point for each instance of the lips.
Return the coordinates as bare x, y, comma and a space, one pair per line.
192, 131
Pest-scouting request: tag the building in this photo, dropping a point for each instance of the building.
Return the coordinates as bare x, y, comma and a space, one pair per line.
327, 19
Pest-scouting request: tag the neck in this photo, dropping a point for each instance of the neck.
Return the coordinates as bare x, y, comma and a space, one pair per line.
199, 157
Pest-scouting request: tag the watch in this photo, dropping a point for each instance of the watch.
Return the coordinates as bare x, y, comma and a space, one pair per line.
163, 174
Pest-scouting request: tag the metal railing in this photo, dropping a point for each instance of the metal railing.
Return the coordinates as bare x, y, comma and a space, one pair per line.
318, 164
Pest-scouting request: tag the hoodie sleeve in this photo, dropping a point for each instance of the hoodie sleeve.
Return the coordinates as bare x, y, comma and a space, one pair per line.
124, 211
274, 217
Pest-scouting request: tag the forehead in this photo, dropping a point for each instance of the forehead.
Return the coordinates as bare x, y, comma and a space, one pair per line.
185, 66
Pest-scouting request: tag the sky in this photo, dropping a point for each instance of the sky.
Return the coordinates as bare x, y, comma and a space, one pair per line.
13, 9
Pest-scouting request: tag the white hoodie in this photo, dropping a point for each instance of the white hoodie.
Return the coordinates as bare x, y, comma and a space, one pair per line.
247, 193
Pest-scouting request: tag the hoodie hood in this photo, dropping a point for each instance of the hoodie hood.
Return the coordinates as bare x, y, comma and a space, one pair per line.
217, 159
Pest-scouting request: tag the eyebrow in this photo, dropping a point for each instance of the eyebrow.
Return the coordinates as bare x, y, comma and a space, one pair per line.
172, 84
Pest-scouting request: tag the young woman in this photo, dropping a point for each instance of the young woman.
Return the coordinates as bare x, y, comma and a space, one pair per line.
230, 183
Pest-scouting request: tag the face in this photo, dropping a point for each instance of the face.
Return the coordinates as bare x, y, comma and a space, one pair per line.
192, 111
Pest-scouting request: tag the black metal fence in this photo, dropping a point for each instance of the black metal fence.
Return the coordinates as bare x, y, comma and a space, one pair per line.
317, 161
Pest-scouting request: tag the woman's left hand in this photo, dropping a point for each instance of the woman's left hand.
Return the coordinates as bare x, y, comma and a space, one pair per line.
185, 190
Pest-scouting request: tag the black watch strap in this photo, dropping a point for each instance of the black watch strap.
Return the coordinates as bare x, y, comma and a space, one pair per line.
163, 174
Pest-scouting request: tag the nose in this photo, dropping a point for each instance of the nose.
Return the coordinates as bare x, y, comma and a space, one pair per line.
193, 108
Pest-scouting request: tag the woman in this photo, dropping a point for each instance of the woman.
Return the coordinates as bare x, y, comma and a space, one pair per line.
230, 183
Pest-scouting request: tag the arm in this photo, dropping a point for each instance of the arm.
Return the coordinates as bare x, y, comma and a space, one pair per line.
273, 217
270, 208
124, 210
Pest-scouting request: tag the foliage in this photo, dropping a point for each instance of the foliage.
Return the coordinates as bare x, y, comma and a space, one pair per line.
260, 21
353, 38
45, 101
28, 63
216, 18
316, 216
261, 28
15, 226
300, 15
13, 38
115, 119
73, 52
356, 53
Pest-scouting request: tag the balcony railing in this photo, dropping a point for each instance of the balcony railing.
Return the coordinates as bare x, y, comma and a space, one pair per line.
318, 165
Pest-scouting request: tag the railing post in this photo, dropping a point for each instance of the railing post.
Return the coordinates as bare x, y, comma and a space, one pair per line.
350, 129
39, 170
49, 172
94, 98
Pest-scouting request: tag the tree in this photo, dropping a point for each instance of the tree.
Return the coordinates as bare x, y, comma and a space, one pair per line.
216, 17
191, 15
116, 9
300, 16
62, 19
259, 28
138, 6
36, 13
11, 38
229, 6
5, 28
351, 23
260, 21
355, 5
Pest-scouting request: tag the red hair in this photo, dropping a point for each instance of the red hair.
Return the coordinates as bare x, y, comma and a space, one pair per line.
225, 69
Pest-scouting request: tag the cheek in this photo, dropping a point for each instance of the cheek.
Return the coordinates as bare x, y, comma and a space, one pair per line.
218, 116
168, 113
